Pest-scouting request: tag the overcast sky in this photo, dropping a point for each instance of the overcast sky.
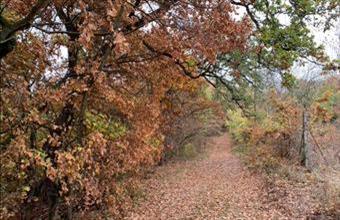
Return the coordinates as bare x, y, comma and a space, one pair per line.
330, 39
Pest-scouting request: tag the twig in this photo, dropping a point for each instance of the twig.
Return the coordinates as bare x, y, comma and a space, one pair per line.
318, 146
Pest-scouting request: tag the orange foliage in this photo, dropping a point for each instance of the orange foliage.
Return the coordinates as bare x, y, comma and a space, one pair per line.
75, 128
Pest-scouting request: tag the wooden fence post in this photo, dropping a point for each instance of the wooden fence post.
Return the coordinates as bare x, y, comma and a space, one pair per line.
305, 149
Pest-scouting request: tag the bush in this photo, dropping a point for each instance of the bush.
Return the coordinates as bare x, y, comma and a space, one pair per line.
187, 151
268, 138
238, 125
263, 158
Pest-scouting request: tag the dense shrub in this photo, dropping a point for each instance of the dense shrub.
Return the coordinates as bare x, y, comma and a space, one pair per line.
238, 125
271, 142
269, 137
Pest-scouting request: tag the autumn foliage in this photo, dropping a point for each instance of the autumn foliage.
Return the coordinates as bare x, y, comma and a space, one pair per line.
95, 92
88, 93
293, 138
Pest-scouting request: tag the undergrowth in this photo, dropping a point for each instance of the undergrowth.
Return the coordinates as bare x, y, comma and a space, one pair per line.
269, 142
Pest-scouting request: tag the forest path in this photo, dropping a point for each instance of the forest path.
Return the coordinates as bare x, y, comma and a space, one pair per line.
217, 186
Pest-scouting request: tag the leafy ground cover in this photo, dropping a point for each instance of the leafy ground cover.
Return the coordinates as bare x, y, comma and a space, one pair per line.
219, 186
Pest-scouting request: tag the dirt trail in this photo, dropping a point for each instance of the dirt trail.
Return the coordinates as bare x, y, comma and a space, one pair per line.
217, 186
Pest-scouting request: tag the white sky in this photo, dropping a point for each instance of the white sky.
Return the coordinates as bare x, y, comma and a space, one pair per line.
330, 39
